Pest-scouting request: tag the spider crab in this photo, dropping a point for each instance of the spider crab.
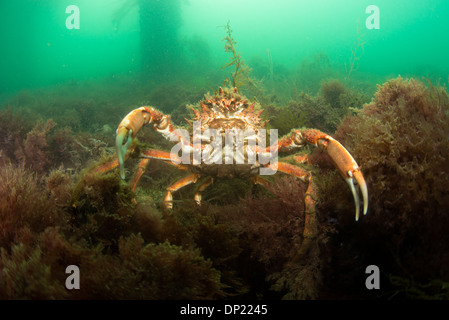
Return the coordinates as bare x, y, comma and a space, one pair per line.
219, 115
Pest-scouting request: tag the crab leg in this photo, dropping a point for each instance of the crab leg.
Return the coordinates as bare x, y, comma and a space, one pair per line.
262, 182
203, 186
341, 158
139, 173
147, 155
108, 166
310, 225
160, 155
193, 178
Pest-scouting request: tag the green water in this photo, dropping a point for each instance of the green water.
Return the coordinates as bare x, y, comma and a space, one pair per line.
39, 50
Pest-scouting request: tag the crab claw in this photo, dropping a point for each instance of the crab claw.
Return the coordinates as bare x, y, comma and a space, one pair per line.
127, 130
123, 141
349, 169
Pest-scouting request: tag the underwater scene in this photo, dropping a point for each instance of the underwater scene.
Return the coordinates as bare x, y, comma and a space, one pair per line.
224, 150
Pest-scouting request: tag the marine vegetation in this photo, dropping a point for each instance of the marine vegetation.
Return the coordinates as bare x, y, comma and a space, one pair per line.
243, 240
241, 76
310, 73
323, 111
401, 140
46, 227
357, 52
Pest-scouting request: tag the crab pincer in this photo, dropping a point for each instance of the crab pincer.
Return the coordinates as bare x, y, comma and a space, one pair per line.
127, 130
342, 159
348, 168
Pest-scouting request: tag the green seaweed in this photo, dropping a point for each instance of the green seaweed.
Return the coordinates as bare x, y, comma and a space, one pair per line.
241, 76
400, 141
355, 54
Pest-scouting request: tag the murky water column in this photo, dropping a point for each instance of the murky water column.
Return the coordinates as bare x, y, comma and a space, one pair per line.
160, 21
